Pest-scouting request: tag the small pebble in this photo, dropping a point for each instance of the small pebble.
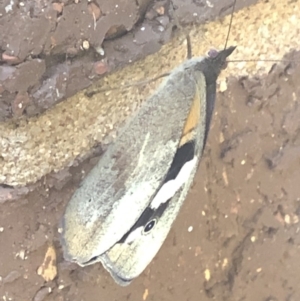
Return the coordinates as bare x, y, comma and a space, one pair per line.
48, 269
223, 86
160, 10
100, 50
225, 178
22, 254
225, 263
42, 293
209, 4
10, 59
190, 228
207, 274
145, 295
287, 219
85, 45
160, 28
100, 67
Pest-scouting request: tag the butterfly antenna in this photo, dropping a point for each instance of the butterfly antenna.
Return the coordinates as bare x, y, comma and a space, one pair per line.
230, 24
188, 39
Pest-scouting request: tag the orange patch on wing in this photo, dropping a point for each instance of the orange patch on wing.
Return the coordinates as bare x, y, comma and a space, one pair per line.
191, 121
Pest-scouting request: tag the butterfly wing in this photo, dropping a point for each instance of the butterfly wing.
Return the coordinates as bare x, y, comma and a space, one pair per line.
118, 189
130, 256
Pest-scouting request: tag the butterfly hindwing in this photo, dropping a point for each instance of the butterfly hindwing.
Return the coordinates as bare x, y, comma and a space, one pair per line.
129, 257
118, 189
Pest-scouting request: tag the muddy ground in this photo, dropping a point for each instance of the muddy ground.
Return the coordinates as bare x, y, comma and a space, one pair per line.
244, 210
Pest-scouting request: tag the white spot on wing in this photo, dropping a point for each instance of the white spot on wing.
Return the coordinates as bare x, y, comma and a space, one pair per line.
170, 188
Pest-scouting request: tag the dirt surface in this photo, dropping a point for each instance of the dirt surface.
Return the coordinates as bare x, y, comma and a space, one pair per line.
244, 211
49, 50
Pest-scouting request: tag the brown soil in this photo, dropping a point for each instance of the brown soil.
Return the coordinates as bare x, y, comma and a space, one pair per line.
244, 209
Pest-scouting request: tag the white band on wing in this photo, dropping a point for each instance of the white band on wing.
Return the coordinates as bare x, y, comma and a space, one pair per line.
168, 190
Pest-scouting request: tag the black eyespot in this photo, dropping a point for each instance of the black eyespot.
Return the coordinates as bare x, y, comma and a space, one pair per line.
150, 225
